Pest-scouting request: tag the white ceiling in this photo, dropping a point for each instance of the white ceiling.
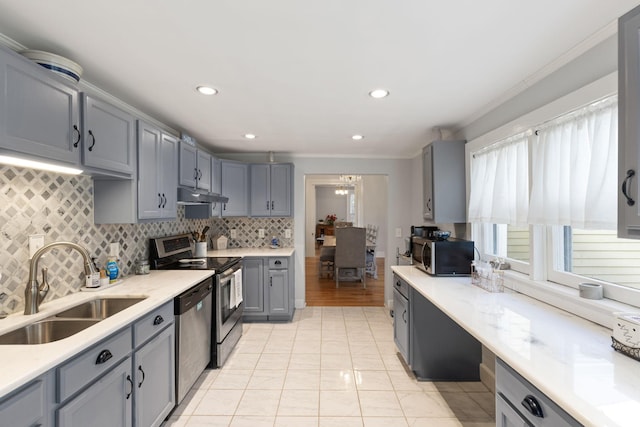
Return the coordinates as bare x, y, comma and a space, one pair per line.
297, 73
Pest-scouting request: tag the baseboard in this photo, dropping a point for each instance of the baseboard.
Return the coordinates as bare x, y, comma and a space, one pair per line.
487, 377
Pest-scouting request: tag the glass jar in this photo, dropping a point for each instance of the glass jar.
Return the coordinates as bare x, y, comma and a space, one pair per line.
142, 266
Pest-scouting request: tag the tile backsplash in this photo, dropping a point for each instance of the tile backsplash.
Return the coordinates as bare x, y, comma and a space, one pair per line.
61, 208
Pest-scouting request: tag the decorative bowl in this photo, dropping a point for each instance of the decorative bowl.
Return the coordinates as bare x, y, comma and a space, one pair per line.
56, 63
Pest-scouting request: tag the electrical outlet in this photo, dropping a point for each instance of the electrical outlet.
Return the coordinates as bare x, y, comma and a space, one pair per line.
114, 249
233, 233
398, 232
261, 232
36, 241
287, 233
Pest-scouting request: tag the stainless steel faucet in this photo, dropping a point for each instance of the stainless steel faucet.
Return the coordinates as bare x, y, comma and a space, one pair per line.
34, 292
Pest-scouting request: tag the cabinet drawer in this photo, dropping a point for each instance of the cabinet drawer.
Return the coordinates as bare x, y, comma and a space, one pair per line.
152, 323
92, 363
278, 263
516, 390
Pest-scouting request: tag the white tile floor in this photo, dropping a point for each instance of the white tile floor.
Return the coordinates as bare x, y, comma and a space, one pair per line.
331, 366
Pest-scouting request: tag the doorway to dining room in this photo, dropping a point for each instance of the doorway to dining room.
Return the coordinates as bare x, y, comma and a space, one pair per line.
360, 201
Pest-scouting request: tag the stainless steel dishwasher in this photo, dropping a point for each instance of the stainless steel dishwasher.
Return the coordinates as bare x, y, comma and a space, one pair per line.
193, 335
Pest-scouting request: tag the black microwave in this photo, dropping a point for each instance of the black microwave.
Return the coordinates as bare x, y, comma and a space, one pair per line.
442, 257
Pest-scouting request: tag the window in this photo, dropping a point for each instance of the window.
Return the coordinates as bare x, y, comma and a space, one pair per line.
571, 189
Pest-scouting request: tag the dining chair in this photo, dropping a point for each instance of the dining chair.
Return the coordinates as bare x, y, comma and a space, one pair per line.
351, 249
326, 262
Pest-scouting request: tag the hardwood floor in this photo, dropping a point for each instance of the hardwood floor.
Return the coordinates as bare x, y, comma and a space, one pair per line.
323, 291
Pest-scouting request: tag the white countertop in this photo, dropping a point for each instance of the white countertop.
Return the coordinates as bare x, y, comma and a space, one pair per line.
22, 363
568, 358
252, 252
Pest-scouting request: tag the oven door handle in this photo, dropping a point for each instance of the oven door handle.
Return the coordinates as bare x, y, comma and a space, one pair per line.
229, 272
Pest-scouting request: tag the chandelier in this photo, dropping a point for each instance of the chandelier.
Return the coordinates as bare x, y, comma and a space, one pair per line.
350, 179
342, 191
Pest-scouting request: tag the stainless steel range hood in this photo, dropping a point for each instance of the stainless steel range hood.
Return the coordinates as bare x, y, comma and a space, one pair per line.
191, 196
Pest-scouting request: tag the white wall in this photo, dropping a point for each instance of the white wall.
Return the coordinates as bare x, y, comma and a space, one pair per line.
328, 202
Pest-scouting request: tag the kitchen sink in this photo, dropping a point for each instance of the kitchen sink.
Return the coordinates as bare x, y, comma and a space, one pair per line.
99, 309
46, 331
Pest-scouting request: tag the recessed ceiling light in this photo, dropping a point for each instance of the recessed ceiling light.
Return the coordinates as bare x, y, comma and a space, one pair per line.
249, 136
357, 137
206, 90
379, 93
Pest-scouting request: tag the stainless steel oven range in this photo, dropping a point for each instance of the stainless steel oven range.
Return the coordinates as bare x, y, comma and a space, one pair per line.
176, 253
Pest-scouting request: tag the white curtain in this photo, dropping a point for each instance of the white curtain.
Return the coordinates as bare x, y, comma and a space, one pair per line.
574, 164
499, 192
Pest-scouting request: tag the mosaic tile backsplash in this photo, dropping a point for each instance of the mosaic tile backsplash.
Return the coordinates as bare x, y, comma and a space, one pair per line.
61, 208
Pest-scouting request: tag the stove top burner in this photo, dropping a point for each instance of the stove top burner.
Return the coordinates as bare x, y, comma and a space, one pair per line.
175, 253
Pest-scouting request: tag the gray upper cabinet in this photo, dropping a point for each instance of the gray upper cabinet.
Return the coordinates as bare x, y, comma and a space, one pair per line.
271, 189
444, 190
628, 124
195, 167
235, 186
108, 135
216, 184
157, 173
39, 114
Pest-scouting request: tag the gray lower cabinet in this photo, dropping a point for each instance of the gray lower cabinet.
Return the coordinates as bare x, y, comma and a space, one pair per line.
106, 403
235, 185
268, 289
30, 405
108, 136
39, 113
519, 403
157, 173
127, 379
154, 384
401, 316
271, 189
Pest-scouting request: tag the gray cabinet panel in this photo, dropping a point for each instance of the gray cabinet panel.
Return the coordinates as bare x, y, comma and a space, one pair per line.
444, 188
157, 174
271, 190
106, 403
253, 285
628, 123
152, 323
204, 170
38, 113
401, 324
278, 292
188, 165
154, 371
28, 406
216, 184
235, 186
108, 135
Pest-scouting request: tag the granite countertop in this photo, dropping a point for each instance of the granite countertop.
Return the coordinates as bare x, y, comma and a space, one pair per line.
22, 363
568, 358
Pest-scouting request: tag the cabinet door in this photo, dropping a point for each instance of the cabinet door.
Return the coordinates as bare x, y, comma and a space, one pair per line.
506, 416
38, 114
27, 407
107, 403
278, 291
401, 324
168, 175
204, 170
235, 185
154, 379
108, 135
253, 285
628, 125
281, 190
216, 184
260, 190
149, 157
188, 165
427, 182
